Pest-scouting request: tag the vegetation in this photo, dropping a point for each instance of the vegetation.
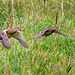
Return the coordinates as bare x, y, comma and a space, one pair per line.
45, 56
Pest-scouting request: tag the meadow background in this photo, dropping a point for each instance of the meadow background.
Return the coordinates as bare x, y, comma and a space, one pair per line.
45, 56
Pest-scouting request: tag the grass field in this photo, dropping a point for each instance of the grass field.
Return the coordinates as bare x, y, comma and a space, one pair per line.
45, 56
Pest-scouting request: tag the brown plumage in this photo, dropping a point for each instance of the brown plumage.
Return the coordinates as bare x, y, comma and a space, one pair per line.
15, 33
49, 31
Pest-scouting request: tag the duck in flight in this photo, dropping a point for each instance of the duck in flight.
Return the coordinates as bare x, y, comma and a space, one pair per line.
49, 31
15, 33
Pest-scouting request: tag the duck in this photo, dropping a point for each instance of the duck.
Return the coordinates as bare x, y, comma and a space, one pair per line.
14, 33
49, 31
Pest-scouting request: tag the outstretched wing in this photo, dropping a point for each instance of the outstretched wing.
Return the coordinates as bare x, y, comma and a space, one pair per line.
5, 40
57, 31
20, 38
41, 34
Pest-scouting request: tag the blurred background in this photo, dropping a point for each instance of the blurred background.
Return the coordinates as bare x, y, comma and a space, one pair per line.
45, 56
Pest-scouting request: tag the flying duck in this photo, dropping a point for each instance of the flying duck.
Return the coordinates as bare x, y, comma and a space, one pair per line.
49, 31
15, 33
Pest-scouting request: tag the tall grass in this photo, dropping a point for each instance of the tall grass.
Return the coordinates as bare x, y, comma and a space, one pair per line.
44, 53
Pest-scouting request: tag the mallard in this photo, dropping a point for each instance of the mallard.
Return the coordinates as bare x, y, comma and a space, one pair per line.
15, 33
49, 31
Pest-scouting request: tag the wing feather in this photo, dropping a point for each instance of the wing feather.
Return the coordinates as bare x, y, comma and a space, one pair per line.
40, 34
58, 32
18, 36
5, 41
